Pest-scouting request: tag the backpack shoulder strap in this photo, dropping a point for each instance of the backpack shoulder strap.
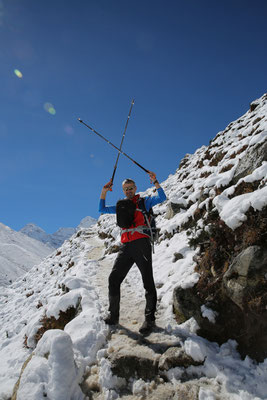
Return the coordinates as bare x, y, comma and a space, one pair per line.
141, 205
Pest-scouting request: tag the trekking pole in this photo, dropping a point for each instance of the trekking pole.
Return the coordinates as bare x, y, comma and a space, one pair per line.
113, 145
115, 166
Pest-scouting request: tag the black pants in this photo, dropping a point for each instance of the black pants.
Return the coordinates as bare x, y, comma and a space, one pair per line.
139, 252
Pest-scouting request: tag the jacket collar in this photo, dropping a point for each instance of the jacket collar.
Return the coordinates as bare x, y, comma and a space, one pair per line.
136, 198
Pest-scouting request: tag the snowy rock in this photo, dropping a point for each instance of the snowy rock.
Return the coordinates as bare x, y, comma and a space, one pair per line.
52, 371
128, 365
251, 161
176, 357
173, 208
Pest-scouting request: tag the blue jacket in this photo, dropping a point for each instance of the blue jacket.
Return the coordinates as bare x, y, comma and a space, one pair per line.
150, 201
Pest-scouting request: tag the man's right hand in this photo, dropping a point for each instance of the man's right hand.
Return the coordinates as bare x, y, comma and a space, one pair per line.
107, 187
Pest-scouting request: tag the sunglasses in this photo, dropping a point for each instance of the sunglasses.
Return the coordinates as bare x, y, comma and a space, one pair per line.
129, 188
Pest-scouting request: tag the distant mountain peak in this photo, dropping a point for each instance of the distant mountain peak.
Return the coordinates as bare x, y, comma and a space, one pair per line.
57, 238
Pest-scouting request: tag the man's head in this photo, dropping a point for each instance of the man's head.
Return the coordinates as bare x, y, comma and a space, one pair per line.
129, 188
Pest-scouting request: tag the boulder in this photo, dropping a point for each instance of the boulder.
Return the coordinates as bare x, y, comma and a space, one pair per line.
239, 298
176, 357
186, 304
136, 366
173, 209
251, 160
245, 274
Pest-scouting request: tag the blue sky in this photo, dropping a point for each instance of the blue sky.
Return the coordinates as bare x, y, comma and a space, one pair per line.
192, 67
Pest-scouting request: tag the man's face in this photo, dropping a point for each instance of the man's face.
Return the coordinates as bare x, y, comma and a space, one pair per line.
129, 190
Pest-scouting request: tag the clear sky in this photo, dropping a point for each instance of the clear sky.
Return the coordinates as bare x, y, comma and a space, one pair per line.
192, 66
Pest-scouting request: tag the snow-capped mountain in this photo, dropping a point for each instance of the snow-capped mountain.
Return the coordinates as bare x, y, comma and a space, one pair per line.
54, 240
20, 251
57, 238
216, 209
18, 254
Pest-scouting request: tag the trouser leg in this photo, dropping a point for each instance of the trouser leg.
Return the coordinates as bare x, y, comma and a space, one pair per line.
120, 269
114, 307
143, 258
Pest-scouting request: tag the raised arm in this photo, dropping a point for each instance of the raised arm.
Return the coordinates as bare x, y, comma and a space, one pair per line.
102, 203
160, 197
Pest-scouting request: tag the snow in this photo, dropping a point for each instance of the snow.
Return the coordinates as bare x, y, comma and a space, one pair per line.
53, 370
232, 211
208, 313
18, 253
67, 278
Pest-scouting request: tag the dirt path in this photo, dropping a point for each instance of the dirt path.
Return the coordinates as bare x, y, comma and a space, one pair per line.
132, 298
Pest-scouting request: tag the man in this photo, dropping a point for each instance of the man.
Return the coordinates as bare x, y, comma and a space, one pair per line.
136, 248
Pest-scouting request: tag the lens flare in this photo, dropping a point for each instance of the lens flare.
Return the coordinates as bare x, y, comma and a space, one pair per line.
69, 130
50, 108
18, 73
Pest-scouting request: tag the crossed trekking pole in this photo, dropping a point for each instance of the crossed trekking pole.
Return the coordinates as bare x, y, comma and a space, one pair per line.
119, 149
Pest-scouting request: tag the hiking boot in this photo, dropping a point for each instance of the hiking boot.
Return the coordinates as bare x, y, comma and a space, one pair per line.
147, 327
111, 320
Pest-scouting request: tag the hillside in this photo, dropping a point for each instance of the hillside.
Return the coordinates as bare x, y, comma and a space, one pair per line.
18, 254
20, 251
210, 272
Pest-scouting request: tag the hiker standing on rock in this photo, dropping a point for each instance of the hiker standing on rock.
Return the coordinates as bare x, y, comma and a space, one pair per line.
133, 218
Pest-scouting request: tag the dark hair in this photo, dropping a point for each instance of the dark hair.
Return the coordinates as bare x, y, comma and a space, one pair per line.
128, 180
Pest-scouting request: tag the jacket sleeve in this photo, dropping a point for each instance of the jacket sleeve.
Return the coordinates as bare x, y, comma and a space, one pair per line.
153, 200
106, 209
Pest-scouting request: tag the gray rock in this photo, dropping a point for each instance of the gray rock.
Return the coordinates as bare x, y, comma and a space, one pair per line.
177, 256
175, 357
130, 365
173, 209
244, 274
251, 160
186, 304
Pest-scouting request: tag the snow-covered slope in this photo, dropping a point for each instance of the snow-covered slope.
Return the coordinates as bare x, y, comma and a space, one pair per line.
56, 311
18, 253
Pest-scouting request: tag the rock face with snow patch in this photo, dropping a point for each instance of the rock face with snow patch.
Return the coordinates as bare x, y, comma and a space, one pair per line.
231, 242
246, 273
252, 160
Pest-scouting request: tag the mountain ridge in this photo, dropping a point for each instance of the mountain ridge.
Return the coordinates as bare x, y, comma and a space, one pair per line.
57, 238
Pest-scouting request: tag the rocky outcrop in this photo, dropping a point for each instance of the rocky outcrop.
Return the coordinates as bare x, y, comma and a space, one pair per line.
237, 299
173, 209
245, 274
252, 160
230, 299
